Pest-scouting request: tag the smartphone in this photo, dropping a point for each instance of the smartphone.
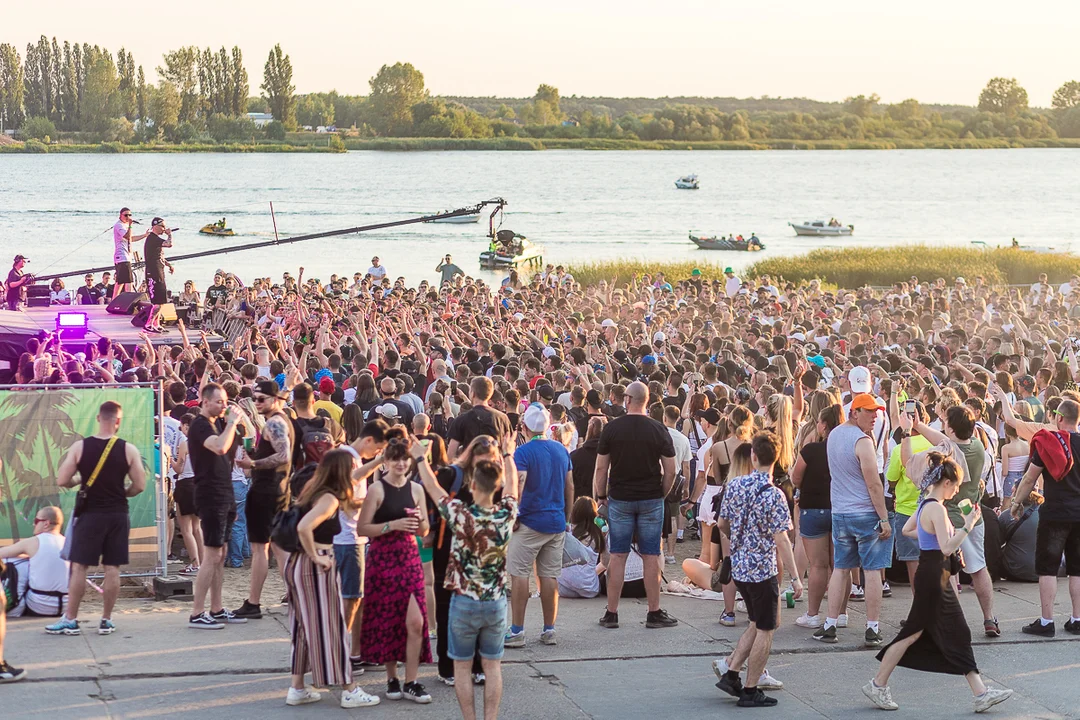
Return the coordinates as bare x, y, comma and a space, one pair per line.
909, 406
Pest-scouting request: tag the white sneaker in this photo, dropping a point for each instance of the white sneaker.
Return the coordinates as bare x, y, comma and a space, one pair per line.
548, 637
880, 696
990, 698
809, 621
768, 682
841, 622
720, 667
740, 606
302, 697
358, 698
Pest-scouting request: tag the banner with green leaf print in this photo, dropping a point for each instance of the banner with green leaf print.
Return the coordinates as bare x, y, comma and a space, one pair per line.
37, 427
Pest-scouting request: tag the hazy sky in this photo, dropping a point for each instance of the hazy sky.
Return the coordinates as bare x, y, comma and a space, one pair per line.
941, 51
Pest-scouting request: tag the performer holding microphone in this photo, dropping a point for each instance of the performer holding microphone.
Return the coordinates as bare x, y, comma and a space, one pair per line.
158, 238
122, 256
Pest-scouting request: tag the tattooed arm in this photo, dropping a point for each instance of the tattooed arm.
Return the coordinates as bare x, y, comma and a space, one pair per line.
277, 433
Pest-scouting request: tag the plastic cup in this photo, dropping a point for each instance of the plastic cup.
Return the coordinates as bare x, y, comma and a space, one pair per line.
789, 598
249, 444
965, 506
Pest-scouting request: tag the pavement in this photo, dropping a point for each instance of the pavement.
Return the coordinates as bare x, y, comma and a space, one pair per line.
155, 667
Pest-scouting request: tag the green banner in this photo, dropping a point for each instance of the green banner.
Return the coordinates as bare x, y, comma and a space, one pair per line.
36, 429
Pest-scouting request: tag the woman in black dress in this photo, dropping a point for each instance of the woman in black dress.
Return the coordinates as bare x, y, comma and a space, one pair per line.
935, 637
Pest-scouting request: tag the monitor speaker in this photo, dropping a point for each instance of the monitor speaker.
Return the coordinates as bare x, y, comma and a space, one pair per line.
127, 303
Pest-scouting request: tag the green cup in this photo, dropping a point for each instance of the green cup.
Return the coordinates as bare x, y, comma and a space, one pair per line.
249, 444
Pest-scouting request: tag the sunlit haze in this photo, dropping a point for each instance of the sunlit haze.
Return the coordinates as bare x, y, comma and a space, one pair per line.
932, 51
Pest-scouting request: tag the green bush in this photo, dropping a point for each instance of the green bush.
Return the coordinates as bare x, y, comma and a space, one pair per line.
336, 144
37, 128
591, 273
275, 130
111, 147
35, 146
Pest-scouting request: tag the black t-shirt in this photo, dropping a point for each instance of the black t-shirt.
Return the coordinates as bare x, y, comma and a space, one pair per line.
14, 294
155, 261
613, 411
446, 476
87, 295
480, 420
1062, 497
815, 491
213, 472
634, 445
215, 293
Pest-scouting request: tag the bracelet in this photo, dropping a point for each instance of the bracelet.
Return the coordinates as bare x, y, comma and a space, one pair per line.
386, 528
964, 528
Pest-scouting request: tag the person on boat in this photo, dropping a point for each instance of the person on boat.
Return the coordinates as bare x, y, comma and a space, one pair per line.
220, 224
833, 222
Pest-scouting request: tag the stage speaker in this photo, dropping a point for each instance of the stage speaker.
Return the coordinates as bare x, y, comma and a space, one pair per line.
168, 314
127, 303
37, 291
38, 301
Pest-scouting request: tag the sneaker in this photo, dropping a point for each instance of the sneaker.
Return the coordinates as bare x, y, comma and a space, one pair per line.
1072, 627
660, 619
247, 611
740, 606
826, 634
358, 698
204, 622
190, 570
669, 559
610, 620
228, 617
872, 638
809, 621
9, 674
174, 559
755, 698
990, 698
447, 681
841, 621
357, 665
679, 541
393, 689
64, 627
479, 679
284, 599
991, 628
513, 639
886, 591
857, 594
733, 688
302, 697
548, 637
880, 696
768, 682
106, 627
534, 594
1037, 628
727, 619
415, 691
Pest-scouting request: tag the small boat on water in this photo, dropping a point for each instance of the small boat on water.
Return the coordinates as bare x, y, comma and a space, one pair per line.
719, 242
511, 250
687, 182
822, 228
215, 229
457, 219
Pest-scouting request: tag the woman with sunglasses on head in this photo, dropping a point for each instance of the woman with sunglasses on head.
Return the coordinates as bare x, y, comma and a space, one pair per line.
394, 626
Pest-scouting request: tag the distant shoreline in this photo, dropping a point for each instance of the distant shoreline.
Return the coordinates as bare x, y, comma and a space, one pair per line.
315, 144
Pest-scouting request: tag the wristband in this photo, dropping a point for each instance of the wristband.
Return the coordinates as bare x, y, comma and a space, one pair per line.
964, 528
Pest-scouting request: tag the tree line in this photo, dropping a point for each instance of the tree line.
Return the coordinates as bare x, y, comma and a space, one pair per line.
204, 95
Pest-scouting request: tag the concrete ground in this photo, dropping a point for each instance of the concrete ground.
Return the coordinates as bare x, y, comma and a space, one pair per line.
155, 667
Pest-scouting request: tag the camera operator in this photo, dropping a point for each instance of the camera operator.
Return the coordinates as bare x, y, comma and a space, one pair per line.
17, 282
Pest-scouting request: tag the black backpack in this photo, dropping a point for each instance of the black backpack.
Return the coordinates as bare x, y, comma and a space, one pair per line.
313, 440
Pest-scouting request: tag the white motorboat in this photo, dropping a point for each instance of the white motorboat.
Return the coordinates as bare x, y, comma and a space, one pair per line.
687, 182
822, 228
457, 219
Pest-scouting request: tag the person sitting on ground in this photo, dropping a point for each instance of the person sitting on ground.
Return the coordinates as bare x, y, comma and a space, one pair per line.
42, 573
583, 581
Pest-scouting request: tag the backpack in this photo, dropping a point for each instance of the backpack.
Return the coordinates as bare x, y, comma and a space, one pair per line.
9, 584
1055, 452
313, 440
455, 488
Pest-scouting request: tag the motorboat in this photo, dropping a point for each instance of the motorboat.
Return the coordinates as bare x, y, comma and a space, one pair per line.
719, 242
511, 250
215, 229
687, 182
457, 219
822, 228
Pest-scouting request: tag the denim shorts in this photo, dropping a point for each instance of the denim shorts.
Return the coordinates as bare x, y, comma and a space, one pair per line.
640, 521
856, 543
815, 524
476, 624
1010, 481
907, 549
350, 568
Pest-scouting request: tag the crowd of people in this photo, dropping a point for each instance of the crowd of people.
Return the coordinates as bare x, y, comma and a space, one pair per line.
425, 456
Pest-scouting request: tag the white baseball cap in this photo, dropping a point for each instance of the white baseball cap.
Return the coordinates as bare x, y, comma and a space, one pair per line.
519, 316
608, 322
659, 336
859, 379
536, 418
387, 410
549, 352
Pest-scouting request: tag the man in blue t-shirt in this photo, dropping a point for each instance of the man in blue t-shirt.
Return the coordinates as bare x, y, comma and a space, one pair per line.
547, 492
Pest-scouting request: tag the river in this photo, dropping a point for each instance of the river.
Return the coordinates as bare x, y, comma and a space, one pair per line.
580, 205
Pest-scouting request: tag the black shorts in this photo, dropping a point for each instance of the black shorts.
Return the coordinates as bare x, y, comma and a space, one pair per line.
155, 288
101, 539
762, 602
262, 505
671, 517
184, 494
1055, 538
123, 274
216, 523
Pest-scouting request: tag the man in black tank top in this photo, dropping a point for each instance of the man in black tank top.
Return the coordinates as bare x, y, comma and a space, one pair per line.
101, 523
270, 465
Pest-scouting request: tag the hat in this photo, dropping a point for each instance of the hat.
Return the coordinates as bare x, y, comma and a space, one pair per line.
728, 271
817, 360
648, 360
536, 418
620, 355
549, 352
269, 387
519, 316
546, 391
326, 385
961, 281
608, 322
659, 336
387, 410
157, 221
593, 398
866, 401
695, 273
859, 378
1027, 382
711, 416
801, 337
21, 257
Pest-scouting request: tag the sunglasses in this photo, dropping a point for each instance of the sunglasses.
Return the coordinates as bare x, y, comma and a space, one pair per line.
40, 520
261, 398
126, 215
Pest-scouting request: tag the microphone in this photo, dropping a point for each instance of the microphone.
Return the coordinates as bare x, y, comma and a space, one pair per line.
136, 222
173, 229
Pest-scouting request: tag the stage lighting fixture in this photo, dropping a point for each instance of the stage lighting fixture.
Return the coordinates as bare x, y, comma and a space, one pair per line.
73, 324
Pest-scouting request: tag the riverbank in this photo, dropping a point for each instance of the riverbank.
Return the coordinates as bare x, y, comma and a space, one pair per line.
323, 143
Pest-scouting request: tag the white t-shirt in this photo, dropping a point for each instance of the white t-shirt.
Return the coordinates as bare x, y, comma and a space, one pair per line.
121, 245
682, 450
731, 287
377, 272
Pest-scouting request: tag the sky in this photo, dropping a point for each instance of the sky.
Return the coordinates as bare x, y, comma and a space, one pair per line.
936, 52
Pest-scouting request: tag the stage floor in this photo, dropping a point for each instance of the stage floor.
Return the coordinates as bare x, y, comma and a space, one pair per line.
118, 328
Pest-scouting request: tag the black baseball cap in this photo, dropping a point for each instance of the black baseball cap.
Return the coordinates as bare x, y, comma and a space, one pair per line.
269, 387
21, 257
157, 221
